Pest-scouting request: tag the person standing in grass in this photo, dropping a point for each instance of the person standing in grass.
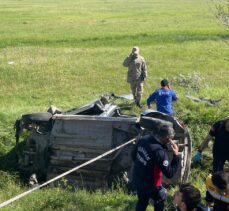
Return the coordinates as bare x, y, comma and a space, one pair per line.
188, 198
163, 98
220, 133
137, 73
151, 161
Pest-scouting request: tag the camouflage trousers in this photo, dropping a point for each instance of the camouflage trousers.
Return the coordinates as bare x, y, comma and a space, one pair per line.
137, 90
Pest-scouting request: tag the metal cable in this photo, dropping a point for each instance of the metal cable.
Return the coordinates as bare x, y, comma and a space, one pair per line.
9, 201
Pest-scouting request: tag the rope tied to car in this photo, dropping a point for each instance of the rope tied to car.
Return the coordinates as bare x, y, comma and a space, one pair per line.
9, 201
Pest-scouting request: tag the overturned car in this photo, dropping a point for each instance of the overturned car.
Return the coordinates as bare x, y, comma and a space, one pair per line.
57, 141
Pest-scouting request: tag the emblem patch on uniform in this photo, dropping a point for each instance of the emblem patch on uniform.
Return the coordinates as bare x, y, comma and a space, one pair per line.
165, 163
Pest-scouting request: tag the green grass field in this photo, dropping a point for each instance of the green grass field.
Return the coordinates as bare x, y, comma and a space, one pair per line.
66, 53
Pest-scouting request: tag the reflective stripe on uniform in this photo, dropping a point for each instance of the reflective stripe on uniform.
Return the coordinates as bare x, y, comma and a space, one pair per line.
218, 196
213, 191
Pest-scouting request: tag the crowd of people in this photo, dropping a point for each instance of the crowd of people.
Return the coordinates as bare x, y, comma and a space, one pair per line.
151, 160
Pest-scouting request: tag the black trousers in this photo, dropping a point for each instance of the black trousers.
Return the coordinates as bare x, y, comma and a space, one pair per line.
219, 161
157, 194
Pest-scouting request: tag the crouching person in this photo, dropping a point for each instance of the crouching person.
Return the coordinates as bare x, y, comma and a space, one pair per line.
151, 162
217, 193
188, 198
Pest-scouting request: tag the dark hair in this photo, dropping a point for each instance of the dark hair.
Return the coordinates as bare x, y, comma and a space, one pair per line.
220, 179
190, 196
164, 82
166, 130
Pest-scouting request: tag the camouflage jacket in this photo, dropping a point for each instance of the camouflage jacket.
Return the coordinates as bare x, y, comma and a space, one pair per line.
137, 69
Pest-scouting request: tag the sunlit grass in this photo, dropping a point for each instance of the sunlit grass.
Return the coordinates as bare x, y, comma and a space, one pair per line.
67, 53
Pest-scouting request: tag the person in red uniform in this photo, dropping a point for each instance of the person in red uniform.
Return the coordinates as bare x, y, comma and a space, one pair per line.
151, 162
220, 133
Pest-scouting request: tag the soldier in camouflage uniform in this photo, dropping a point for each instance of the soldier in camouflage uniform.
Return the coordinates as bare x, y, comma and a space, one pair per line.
137, 72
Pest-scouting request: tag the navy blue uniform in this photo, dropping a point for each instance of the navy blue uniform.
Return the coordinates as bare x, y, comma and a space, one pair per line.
220, 148
151, 162
163, 98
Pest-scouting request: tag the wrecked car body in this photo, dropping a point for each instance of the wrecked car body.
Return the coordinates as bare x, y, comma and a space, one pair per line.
58, 141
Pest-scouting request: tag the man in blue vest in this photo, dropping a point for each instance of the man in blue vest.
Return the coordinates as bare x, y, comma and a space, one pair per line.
163, 98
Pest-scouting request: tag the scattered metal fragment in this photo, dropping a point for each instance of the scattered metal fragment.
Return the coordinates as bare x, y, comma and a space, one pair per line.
204, 100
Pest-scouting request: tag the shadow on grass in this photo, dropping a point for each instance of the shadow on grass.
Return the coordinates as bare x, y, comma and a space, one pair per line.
9, 162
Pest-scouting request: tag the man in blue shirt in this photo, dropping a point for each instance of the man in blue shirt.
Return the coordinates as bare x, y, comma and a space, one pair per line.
163, 97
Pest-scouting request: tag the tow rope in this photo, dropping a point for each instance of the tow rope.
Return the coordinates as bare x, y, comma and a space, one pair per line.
9, 201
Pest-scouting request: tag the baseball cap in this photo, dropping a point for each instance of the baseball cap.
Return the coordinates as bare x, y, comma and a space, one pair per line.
164, 82
135, 50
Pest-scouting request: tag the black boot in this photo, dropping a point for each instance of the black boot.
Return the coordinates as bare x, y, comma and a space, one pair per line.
138, 104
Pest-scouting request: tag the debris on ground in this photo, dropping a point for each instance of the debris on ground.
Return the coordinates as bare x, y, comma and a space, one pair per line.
210, 102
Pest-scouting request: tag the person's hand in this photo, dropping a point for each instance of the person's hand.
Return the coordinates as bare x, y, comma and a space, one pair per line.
175, 148
197, 157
